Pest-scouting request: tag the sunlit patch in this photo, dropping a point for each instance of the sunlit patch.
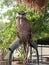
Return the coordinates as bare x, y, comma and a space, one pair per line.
48, 11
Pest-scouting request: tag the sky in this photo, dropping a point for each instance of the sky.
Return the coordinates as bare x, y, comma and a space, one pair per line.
3, 10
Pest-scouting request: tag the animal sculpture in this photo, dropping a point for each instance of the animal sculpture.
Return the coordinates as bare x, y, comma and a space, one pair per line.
24, 31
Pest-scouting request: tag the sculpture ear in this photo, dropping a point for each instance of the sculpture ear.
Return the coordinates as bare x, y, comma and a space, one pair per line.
22, 12
17, 11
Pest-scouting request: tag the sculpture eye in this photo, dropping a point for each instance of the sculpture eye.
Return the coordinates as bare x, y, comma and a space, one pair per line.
19, 12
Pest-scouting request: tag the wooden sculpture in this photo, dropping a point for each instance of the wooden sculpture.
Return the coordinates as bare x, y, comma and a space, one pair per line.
24, 31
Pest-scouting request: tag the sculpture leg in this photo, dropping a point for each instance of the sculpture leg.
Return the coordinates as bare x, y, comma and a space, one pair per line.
34, 45
26, 50
10, 58
15, 45
37, 56
30, 53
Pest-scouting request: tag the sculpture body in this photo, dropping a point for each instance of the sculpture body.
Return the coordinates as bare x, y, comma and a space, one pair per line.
24, 32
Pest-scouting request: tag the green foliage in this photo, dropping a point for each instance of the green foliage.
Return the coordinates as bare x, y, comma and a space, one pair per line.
1, 25
39, 22
6, 2
20, 7
8, 33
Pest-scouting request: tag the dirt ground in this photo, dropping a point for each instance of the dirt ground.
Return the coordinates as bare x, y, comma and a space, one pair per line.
13, 63
16, 63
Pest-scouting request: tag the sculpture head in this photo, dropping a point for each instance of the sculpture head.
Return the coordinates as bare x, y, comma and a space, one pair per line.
20, 13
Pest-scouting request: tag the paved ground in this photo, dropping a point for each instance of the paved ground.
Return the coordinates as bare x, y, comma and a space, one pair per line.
29, 64
16, 63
